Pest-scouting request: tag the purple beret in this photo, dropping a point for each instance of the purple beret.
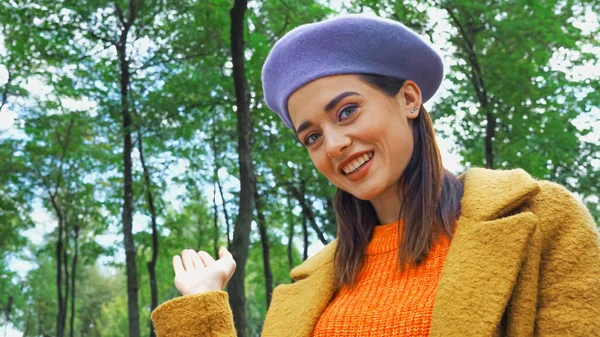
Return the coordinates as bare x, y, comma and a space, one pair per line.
349, 44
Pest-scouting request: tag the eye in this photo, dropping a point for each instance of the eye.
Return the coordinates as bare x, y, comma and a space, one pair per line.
347, 111
313, 137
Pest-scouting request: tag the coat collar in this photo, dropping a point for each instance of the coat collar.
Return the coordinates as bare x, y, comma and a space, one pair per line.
463, 301
492, 194
486, 253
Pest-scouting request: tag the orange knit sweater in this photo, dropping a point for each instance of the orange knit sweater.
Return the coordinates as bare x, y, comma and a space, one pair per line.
385, 302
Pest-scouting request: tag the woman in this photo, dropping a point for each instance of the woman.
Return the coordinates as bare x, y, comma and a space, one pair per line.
419, 252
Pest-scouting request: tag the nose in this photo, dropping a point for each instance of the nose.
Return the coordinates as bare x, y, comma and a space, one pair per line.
336, 142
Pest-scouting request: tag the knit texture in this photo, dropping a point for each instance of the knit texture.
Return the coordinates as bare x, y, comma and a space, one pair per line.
385, 301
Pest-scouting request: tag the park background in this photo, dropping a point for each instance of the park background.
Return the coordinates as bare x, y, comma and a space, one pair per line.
132, 129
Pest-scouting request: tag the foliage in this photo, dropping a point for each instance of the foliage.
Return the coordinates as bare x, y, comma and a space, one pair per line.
63, 157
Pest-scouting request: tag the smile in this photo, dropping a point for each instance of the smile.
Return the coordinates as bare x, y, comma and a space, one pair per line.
357, 163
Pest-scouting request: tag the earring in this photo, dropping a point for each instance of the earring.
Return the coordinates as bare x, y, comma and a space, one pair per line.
414, 109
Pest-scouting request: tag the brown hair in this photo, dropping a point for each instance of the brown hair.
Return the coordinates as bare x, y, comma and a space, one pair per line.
434, 206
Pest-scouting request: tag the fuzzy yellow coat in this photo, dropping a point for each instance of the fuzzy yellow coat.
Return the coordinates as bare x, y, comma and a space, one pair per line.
525, 261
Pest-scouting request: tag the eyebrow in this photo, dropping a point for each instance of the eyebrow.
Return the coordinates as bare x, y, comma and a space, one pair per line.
327, 108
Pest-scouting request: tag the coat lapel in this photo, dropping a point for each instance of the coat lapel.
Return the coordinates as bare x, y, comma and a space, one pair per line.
486, 253
295, 308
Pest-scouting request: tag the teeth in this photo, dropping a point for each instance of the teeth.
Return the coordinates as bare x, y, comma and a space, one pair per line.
357, 162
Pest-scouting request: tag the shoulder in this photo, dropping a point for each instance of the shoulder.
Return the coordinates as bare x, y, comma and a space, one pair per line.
492, 194
554, 197
560, 211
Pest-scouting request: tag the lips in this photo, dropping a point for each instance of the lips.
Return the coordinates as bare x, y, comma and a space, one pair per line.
355, 162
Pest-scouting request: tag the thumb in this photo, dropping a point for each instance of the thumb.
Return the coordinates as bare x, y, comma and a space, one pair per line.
227, 261
224, 253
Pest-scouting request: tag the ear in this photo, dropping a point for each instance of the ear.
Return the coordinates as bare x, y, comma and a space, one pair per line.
409, 99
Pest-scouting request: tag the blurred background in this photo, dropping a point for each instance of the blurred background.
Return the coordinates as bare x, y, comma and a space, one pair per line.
132, 129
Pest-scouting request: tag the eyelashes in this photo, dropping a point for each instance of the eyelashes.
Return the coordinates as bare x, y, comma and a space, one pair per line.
307, 140
344, 113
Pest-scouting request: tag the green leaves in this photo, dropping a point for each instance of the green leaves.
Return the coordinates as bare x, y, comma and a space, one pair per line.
511, 60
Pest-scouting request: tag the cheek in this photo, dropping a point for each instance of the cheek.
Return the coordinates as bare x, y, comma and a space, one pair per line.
320, 161
399, 141
405, 146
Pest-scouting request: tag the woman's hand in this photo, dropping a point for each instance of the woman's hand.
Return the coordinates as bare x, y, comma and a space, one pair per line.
200, 273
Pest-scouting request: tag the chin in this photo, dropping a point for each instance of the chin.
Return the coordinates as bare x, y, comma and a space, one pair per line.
366, 194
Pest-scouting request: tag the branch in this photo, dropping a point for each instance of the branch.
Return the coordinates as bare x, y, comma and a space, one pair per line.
155, 60
119, 13
285, 24
152, 16
476, 77
5, 90
64, 152
308, 212
103, 39
44, 182
132, 12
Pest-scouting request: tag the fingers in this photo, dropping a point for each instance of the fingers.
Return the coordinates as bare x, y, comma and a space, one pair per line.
198, 263
188, 263
177, 265
206, 258
224, 253
190, 260
227, 261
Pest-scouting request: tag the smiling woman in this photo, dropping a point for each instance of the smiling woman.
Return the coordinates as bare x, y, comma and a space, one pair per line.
419, 252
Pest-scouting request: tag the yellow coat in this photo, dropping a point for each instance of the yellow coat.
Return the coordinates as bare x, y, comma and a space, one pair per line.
525, 261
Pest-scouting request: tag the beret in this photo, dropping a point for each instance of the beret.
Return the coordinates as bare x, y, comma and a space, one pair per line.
348, 44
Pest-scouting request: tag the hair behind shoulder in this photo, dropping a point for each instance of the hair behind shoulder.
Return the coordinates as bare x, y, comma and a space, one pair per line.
435, 196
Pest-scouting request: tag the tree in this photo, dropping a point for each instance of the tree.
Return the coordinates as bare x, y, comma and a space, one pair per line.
241, 231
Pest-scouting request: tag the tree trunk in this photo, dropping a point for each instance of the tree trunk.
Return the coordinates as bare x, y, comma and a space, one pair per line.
476, 78
73, 266
27, 323
305, 235
67, 278
264, 240
216, 221
151, 265
308, 213
290, 245
61, 217
490, 131
60, 247
213, 145
200, 225
331, 217
224, 205
216, 174
127, 215
241, 234
9, 305
59, 270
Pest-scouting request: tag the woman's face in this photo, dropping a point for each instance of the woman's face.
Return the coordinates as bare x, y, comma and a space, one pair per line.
356, 135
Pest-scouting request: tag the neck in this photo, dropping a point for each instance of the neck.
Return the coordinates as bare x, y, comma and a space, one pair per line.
387, 206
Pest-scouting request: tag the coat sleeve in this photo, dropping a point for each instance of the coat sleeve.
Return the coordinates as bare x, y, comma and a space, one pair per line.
569, 284
206, 314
